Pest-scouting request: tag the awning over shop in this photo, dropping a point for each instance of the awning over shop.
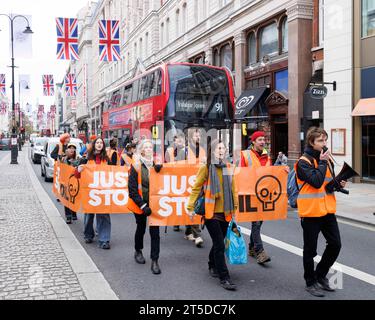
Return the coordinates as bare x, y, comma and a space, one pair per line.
364, 107
247, 101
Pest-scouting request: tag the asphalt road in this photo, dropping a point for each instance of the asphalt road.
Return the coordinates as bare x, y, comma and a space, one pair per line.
185, 271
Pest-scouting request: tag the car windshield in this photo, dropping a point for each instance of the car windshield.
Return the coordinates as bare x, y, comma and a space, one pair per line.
40, 141
5, 140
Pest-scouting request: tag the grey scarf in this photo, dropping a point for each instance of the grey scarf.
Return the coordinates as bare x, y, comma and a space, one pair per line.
227, 186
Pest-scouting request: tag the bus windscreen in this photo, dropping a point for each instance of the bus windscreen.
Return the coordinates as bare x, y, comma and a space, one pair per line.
198, 92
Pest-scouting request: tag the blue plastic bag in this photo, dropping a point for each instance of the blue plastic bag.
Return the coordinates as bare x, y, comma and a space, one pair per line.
235, 246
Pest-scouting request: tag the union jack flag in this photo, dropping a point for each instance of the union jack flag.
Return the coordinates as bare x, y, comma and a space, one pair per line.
109, 40
48, 87
71, 85
2, 85
67, 38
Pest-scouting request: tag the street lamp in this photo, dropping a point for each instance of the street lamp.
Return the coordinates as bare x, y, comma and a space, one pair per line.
19, 110
14, 149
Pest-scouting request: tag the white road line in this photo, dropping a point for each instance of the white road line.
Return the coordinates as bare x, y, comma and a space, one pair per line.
366, 277
355, 224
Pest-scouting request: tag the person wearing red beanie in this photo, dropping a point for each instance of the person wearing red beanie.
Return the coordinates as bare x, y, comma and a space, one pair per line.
256, 156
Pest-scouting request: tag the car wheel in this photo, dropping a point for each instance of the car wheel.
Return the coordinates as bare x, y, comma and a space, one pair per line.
33, 160
42, 172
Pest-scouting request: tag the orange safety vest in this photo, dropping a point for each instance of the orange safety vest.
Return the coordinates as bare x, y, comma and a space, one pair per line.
312, 202
132, 206
110, 154
251, 159
191, 156
209, 199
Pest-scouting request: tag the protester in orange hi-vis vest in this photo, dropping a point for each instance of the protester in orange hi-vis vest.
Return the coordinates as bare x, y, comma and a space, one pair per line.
112, 152
138, 202
96, 155
317, 209
256, 157
59, 151
127, 155
176, 151
221, 202
196, 154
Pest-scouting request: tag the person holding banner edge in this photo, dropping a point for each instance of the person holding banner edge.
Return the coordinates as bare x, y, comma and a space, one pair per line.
221, 203
96, 155
317, 208
256, 156
70, 159
138, 203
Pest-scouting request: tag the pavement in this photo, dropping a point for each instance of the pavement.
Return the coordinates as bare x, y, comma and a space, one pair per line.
359, 205
40, 258
43, 258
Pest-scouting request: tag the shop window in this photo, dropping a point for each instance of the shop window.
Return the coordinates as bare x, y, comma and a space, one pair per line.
368, 18
284, 36
226, 57
281, 81
269, 41
251, 49
368, 85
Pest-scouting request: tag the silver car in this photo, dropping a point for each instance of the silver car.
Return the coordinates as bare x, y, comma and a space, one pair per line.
37, 149
47, 163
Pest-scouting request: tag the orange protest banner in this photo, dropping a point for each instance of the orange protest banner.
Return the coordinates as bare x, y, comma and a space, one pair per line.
262, 194
101, 188
65, 186
169, 195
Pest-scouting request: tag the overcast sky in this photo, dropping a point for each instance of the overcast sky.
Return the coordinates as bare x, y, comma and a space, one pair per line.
44, 60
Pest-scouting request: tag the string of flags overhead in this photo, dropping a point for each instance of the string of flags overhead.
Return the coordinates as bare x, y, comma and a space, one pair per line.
67, 30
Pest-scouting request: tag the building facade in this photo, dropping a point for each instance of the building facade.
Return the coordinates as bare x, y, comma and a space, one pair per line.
276, 45
363, 99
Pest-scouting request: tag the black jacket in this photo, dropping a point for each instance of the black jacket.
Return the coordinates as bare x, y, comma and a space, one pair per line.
308, 173
133, 185
55, 152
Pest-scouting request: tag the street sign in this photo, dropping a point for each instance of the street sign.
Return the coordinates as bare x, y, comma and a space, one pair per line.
318, 92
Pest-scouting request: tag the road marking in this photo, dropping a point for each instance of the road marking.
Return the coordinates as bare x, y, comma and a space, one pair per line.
366, 277
343, 220
356, 224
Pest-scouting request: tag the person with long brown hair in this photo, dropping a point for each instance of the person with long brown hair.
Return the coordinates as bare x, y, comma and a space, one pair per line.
97, 155
216, 179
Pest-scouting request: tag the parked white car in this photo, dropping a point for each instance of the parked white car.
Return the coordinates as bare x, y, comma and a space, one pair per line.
47, 163
37, 148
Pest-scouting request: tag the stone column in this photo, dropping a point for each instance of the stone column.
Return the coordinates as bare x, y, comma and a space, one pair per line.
300, 15
208, 53
239, 62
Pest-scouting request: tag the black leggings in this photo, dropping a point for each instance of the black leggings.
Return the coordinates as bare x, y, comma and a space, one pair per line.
218, 230
141, 220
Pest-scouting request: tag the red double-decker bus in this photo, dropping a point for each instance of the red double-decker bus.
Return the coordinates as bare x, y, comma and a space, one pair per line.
170, 98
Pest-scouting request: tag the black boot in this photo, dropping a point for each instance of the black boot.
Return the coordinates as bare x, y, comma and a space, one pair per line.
68, 220
74, 216
155, 267
138, 256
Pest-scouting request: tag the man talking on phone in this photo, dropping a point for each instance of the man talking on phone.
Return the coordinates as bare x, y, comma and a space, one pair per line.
317, 209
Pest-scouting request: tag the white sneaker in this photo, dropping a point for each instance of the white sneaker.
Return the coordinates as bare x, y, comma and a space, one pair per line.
190, 237
198, 242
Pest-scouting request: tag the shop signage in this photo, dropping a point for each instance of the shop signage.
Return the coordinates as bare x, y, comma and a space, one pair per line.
318, 92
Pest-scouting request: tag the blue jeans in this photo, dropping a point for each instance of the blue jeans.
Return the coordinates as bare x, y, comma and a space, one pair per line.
103, 226
255, 239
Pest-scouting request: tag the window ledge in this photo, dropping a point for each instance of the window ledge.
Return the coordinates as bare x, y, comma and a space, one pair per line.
317, 48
